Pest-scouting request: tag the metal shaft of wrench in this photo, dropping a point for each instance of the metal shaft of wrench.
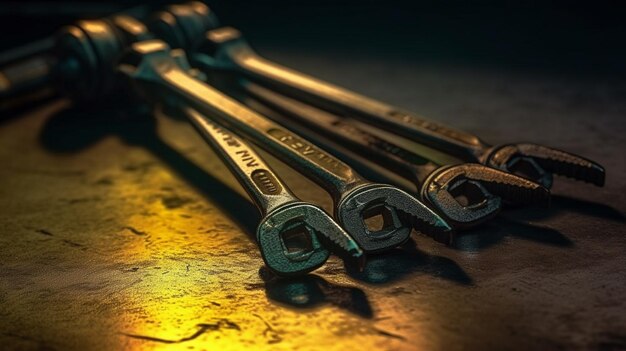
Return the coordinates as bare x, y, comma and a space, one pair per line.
163, 74
285, 217
481, 188
227, 49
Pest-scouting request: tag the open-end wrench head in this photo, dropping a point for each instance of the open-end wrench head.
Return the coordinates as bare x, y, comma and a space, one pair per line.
290, 238
538, 163
461, 200
470, 193
398, 211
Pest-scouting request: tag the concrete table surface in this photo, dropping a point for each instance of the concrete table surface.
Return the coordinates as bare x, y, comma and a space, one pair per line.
128, 233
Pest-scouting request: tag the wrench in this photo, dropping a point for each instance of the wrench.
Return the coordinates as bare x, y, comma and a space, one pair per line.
157, 72
483, 187
225, 48
284, 215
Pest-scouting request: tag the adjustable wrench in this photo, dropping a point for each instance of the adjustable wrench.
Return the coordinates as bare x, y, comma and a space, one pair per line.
226, 48
157, 72
284, 215
482, 187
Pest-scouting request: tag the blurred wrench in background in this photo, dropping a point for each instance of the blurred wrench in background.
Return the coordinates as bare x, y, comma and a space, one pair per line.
54, 65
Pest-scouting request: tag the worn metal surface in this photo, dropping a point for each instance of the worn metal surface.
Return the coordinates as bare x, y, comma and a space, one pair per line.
112, 242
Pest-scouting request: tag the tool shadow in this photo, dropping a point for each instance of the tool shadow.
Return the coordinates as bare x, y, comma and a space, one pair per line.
512, 223
561, 204
75, 129
492, 233
397, 263
311, 291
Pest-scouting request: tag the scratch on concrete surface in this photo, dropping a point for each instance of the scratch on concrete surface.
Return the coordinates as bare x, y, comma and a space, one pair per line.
269, 332
202, 328
44, 232
388, 334
135, 231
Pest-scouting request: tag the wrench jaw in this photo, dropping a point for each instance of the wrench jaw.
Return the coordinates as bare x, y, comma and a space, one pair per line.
469, 194
538, 163
398, 211
290, 239
462, 201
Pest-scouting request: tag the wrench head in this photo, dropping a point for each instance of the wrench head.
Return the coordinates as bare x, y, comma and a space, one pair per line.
290, 238
538, 163
469, 194
394, 214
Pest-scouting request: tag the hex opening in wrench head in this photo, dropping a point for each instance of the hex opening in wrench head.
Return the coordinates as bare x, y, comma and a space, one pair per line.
380, 219
297, 240
289, 238
469, 193
399, 211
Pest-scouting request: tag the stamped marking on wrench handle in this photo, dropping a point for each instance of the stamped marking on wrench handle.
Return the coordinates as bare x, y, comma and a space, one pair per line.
261, 183
332, 174
282, 211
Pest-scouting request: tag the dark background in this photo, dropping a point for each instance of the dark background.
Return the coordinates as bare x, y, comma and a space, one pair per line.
558, 36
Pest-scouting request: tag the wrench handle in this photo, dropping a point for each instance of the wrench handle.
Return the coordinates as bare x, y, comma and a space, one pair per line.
344, 102
329, 172
257, 178
396, 158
